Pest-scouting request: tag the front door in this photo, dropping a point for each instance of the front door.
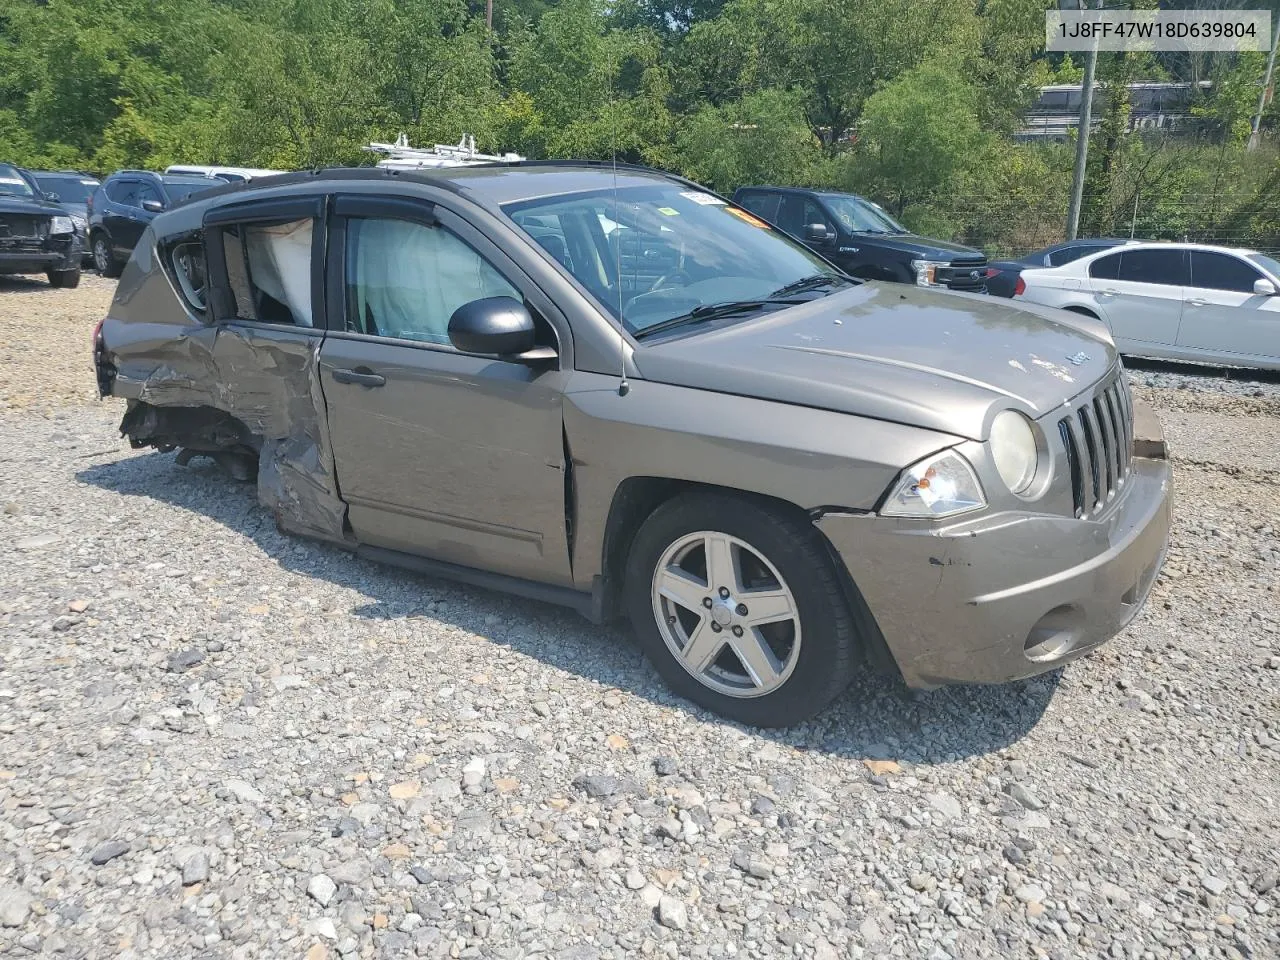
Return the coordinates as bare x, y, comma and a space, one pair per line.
1139, 293
1223, 314
440, 453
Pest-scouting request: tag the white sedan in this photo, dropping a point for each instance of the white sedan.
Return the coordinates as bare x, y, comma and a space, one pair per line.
1177, 301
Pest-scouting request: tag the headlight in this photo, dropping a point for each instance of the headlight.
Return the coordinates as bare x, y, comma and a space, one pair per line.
62, 225
940, 486
927, 271
1014, 450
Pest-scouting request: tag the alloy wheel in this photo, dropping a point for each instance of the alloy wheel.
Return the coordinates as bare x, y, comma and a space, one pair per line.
726, 614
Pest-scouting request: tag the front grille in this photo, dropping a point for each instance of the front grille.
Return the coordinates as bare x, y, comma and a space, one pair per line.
19, 225
961, 276
1098, 438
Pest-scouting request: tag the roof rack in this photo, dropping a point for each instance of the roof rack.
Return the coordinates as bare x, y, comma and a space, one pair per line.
400, 155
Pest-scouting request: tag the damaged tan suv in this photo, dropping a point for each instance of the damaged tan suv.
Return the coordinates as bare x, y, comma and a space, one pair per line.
615, 390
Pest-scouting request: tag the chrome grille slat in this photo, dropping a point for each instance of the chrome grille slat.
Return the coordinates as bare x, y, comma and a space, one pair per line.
1110, 443
1097, 437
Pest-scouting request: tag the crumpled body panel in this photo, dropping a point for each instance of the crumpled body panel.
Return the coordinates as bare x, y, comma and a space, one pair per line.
267, 377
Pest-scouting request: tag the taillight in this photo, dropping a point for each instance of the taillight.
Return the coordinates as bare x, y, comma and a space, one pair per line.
992, 272
1020, 287
97, 333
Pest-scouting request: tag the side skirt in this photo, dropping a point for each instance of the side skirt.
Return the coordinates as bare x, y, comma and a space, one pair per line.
586, 604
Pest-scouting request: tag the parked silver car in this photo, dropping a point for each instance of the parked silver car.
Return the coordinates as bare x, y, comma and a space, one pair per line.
615, 390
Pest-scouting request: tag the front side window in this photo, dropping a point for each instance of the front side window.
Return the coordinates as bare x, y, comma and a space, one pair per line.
124, 192
1163, 267
405, 280
269, 271
652, 253
146, 192
1218, 271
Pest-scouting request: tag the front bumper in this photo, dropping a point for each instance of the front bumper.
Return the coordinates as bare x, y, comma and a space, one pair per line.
63, 252
1009, 595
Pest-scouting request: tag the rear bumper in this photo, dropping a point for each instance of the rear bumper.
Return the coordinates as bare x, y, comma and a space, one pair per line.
1007, 596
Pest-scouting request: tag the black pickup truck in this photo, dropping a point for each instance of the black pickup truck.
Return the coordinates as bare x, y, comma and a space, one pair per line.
863, 240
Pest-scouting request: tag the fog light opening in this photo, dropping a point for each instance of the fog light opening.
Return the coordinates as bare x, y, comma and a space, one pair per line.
1054, 634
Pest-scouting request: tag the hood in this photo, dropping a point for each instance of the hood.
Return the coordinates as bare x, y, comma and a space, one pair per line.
76, 209
12, 204
937, 360
920, 248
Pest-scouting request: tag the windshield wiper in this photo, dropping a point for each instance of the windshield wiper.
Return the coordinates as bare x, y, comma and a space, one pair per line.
704, 312
808, 283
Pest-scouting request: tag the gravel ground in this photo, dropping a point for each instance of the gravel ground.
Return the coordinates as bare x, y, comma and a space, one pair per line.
216, 741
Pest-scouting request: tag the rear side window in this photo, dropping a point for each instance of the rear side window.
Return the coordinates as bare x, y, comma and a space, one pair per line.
1105, 268
1165, 267
1068, 254
762, 205
269, 271
1219, 271
405, 280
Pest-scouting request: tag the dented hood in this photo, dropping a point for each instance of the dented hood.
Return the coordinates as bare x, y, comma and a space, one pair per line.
942, 361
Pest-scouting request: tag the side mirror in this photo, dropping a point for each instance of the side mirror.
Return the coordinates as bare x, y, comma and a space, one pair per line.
152, 206
1264, 288
496, 325
51, 197
817, 233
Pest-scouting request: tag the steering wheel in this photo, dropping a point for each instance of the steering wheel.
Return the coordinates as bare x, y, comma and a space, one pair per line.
665, 280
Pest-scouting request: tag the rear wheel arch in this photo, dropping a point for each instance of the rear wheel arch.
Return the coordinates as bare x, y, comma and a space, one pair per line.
1083, 311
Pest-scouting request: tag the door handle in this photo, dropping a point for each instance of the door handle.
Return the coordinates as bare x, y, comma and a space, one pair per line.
1197, 302
362, 376
1110, 293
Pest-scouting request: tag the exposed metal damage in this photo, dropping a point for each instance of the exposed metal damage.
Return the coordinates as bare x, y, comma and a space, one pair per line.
239, 394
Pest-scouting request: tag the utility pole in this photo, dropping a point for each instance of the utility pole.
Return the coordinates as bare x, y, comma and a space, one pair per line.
488, 15
1082, 135
1265, 95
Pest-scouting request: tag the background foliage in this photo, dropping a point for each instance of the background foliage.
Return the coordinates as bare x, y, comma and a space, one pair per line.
912, 102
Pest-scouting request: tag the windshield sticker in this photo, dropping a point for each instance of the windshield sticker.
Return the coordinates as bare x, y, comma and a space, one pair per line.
11, 180
748, 218
706, 199
668, 212
90, 183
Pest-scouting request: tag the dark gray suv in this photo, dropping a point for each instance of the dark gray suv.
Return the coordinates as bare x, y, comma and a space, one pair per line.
617, 391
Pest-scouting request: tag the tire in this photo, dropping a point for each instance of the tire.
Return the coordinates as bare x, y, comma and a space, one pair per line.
66, 279
107, 265
770, 548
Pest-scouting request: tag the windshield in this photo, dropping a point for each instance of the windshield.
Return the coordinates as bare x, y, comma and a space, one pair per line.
13, 184
659, 252
1269, 264
181, 189
68, 189
861, 216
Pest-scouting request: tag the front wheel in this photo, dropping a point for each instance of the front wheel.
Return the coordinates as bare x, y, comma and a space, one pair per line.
66, 279
102, 259
737, 605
